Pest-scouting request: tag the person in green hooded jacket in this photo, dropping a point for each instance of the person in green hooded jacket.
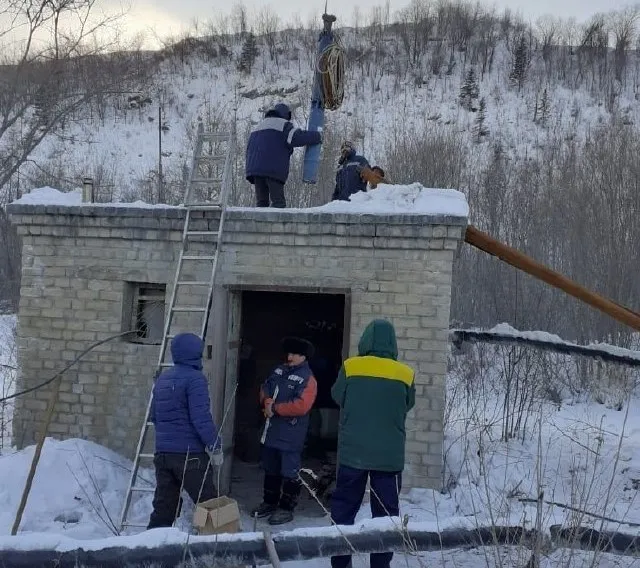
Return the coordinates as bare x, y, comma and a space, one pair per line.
374, 392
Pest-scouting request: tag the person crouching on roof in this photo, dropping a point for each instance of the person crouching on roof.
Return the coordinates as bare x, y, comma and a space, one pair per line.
348, 178
287, 412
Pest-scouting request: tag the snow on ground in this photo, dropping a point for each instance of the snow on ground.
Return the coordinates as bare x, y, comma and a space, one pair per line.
586, 456
78, 490
414, 199
7, 375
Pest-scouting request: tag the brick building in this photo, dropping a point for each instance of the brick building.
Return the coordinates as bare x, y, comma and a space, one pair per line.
91, 271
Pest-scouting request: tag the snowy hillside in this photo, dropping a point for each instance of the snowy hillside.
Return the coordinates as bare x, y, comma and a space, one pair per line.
392, 94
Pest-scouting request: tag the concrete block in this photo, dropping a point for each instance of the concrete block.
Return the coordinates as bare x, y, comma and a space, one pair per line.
69, 397
57, 428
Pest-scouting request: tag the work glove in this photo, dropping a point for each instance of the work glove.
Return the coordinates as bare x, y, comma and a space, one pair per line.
216, 457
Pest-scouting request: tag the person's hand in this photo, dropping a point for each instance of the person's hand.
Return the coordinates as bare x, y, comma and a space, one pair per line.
216, 457
268, 408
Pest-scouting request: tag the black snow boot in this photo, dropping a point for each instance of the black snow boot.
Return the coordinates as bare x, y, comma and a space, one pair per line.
280, 517
288, 501
264, 510
272, 489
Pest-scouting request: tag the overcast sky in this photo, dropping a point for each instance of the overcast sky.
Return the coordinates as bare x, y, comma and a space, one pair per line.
173, 16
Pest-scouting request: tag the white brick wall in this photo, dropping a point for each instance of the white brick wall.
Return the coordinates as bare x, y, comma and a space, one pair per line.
77, 259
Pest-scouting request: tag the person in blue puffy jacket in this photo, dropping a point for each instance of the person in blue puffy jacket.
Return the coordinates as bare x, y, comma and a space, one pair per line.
187, 440
269, 150
348, 178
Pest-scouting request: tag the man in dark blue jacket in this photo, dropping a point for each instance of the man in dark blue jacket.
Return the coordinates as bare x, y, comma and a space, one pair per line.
269, 151
348, 178
186, 437
287, 397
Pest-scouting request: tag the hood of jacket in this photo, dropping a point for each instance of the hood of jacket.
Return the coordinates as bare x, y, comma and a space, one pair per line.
345, 157
186, 349
281, 110
379, 339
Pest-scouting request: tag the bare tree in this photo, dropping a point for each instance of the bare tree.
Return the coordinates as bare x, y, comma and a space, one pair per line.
41, 87
548, 31
487, 41
415, 29
592, 51
268, 25
66, 59
357, 17
239, 19
623, 27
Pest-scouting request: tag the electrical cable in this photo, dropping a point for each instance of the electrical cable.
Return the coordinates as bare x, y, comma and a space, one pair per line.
71, 364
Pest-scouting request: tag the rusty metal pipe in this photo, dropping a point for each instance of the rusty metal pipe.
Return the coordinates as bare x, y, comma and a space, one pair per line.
521, 261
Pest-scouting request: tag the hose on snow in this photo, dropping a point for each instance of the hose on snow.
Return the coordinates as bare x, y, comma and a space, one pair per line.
231, 551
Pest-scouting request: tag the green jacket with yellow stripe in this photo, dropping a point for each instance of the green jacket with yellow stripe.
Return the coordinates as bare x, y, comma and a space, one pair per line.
375, 392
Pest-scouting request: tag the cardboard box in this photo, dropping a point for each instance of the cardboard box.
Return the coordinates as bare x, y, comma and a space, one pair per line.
215, 516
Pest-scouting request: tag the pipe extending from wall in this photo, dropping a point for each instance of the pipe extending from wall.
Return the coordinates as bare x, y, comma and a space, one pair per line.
525, 263
252, 548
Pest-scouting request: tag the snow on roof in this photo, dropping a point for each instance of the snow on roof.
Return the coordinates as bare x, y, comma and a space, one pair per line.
50, 196
412, 199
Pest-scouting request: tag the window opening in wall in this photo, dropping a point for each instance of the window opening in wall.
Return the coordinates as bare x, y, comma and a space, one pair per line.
145, 313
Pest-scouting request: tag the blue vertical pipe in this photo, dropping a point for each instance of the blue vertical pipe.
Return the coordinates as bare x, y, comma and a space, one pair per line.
316, 116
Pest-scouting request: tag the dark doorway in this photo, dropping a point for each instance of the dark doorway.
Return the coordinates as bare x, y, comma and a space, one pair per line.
267, 317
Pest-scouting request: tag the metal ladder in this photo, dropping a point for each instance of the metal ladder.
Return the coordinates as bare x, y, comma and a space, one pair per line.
207, 190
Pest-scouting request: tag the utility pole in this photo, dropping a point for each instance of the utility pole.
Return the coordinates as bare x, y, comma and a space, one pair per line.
161, 198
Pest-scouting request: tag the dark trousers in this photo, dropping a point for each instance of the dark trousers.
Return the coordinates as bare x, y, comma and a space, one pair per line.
196, 478
346, 500
281, 484
269, 188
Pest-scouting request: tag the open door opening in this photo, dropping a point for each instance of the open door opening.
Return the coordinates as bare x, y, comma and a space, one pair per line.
267, 317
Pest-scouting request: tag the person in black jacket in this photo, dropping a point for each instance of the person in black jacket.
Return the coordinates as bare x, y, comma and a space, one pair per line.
348, 178
269, 150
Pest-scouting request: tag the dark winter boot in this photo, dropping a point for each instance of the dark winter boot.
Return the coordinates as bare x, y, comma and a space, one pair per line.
280, 517
264, 510
288, 501
271, 491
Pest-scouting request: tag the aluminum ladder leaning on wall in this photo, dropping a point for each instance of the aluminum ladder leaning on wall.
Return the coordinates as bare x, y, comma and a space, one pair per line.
207, 190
